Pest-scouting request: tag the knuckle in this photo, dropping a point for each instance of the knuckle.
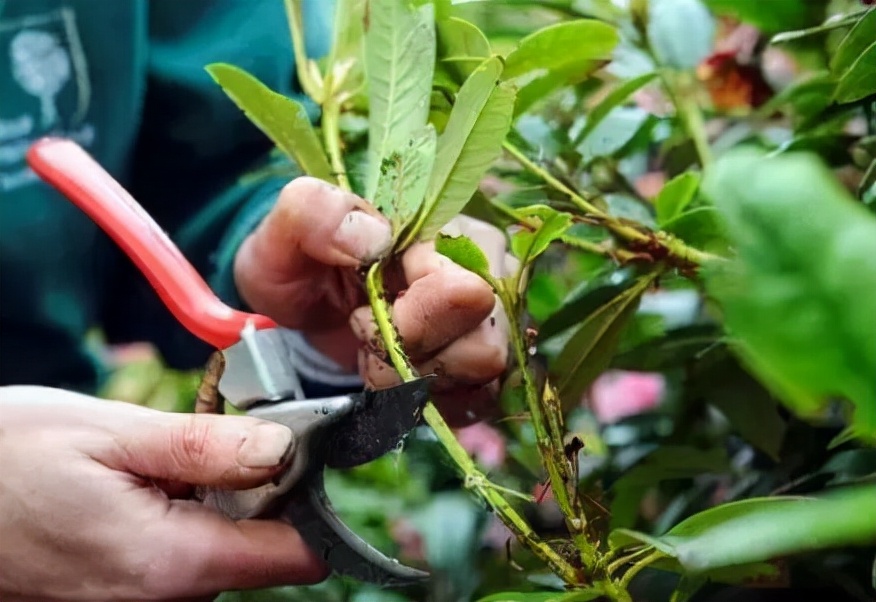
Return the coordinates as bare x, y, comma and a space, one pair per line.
191, 442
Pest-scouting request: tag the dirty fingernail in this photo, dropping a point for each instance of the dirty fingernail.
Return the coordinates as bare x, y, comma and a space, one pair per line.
363, 236
265, 445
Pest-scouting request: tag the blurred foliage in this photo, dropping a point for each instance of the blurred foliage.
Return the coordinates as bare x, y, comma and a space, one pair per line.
744, 129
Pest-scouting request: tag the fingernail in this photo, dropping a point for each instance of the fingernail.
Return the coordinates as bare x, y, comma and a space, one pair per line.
363, 236
264, 446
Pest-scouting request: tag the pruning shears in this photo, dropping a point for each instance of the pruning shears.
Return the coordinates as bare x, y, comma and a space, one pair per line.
258, 378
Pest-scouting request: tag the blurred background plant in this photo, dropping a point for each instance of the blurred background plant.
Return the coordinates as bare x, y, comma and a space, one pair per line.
684, 388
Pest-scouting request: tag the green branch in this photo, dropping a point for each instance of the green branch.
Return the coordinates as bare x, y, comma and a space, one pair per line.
474, 478
547, 422
331, 134
633, 235
682, 92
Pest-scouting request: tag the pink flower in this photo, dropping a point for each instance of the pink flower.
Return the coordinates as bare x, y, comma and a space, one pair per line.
484, 442
617, 394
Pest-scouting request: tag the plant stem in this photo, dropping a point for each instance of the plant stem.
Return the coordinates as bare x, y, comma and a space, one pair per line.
618, 563
673, 246
331, 134
624, 583
555, 183
547, 422
474, 478
681, 90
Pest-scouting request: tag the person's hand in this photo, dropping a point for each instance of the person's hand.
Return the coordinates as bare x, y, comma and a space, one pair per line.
91, 508
300, 268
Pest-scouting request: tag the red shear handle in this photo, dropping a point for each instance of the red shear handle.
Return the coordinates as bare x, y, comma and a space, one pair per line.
67, 167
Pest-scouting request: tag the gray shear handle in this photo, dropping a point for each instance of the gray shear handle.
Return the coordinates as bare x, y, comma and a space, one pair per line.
311, 512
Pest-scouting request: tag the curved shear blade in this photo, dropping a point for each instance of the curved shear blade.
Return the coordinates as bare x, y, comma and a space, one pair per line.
310, 511
378, 424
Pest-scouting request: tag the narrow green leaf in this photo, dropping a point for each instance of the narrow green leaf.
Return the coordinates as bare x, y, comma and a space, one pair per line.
461, 47
855, 42
762, 529
282, 119
584, 300
613, 99
403, 179
675, 196
526, 244
563, 47
748, 407
687, 587
620, 539
399, 63
472, 140
868, 182
463, 251
858, 81
681, 32
669, 462
799, 297
675, 348
589, 350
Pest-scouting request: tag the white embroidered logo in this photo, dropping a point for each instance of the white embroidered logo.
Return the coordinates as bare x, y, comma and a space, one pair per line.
46, 89
41, 67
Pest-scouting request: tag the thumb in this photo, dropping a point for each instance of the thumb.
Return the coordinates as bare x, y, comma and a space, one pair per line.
313, 226
230, 452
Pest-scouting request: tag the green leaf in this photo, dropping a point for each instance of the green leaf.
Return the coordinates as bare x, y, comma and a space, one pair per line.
527, 244
472, 140
687, 587
771, 16
562, 47
614, 132
345, 57
855, 43
749, 408
858, 81
675, 196
868, 183
589, 350
808, 97
461, 48
282, 119
399, 63
625, 538
669, 462
584, 301
463, 251
561, 54
404, 177
700, 227
675, 348
799, 296
612, 100
762, 529
682, 32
